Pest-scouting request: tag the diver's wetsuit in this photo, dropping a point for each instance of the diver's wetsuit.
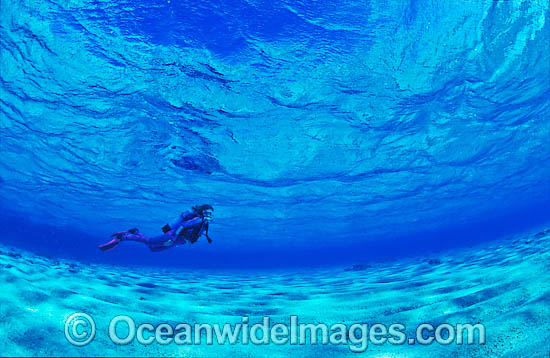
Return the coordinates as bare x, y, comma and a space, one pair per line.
192, 226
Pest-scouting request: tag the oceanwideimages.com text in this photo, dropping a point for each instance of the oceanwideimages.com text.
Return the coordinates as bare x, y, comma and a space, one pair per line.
80, 330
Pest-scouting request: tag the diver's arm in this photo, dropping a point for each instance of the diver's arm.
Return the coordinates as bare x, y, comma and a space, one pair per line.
206, 233
180, 221
191, 222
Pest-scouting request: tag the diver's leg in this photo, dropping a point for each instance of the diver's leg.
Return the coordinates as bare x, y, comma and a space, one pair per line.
139, 237
161, 242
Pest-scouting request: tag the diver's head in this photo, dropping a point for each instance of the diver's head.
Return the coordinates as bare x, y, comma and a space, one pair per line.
205, 211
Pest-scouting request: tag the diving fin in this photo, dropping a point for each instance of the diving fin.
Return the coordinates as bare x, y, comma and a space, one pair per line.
120, 234
118, 237
110, 245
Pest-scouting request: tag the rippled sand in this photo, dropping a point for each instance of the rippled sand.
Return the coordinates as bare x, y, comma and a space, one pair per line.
503, 285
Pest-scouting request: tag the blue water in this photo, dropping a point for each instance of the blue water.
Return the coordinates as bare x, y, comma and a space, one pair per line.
321, 132
368, 162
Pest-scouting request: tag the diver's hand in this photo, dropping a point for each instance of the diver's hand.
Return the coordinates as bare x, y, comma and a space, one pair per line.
209, 240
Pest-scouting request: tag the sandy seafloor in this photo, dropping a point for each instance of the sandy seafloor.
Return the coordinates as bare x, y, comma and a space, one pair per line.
505, 285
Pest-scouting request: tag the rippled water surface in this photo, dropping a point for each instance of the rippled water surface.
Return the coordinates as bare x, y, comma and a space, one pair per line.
301, 122
368, 162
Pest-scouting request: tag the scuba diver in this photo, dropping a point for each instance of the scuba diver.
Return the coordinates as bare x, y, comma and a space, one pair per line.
193, 224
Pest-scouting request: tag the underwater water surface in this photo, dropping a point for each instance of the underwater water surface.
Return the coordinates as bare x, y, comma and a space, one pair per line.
357, 154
